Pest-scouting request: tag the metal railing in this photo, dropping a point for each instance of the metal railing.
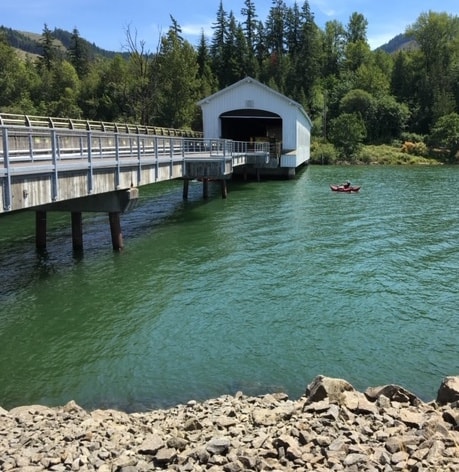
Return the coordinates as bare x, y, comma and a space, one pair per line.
33, 151
32, 121
38, 145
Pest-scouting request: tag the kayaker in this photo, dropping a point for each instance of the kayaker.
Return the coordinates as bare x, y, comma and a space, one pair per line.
347, 184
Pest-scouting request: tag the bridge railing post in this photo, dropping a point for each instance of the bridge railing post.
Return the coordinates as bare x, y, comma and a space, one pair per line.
171, 155
140, 147
155, 146
54, 157
90, 168
7, 197
117, 158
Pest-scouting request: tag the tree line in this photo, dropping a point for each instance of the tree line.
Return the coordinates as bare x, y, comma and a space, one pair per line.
353, 95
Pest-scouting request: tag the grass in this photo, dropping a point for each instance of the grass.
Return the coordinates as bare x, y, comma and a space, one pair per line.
389, 155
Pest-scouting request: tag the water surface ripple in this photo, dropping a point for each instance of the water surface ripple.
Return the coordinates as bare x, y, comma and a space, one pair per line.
260, 292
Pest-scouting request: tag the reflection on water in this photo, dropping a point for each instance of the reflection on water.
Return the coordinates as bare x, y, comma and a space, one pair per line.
262, 291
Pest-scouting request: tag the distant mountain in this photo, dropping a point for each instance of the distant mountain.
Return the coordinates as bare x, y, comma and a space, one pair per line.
31, 42
399, 43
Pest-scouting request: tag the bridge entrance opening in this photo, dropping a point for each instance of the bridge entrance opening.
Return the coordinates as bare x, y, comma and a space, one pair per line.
251, 125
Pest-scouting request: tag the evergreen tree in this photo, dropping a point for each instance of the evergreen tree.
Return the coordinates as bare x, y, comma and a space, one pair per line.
177, 79
357, 28
275, 26
250, 23
247, 65
217, 48
232, 57
208, 81
49, 52
334, 48
250, 30
78, 54
293, 32
311, 52
260, 47
276, 65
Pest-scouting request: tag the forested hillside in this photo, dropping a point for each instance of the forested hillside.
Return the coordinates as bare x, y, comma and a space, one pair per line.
408, 97
31, 43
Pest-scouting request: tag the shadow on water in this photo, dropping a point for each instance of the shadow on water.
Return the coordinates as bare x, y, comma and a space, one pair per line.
21, 263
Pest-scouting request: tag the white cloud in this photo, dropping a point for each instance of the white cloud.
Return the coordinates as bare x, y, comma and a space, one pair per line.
324, 7
196, 29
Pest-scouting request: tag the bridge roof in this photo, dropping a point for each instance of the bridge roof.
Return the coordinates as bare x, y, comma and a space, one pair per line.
256, 83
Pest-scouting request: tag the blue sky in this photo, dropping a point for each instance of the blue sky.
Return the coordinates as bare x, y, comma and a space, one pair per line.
105, 22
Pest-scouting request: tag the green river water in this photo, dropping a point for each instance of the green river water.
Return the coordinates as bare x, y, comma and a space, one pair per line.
261, 292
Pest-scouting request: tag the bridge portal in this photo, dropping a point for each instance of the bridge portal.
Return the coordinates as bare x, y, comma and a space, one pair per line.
251, 125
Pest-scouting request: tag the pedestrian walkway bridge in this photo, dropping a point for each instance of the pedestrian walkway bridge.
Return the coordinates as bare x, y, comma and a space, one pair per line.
55, 164
46, 160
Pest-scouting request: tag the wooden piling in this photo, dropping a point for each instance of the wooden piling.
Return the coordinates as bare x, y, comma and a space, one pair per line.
77, 231
115, 229
40, 229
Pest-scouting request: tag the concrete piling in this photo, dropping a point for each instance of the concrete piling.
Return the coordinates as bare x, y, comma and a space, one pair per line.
115, 229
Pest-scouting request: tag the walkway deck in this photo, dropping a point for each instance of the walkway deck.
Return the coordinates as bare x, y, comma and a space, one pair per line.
42, 165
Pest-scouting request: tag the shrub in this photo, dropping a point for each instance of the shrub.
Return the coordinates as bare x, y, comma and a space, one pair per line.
415, 149
323, 153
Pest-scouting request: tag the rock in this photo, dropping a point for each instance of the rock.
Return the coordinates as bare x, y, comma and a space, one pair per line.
165, 456
192, 425
327, 387
151, 445
448, 391
177, 443
335, 428
411, 418
218, 446
451, 417
393, 393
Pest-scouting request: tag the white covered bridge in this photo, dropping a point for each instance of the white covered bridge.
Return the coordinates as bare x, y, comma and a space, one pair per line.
250, 111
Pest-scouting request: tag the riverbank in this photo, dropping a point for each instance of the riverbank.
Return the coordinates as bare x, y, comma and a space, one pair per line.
383, 154
331, 427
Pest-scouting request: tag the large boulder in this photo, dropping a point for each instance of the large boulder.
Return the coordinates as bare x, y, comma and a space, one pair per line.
327, 387
394, 393
448, 391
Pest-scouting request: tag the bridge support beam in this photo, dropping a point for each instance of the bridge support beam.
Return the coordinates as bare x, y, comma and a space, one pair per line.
77, 231
40, 229
205, 188
115, 229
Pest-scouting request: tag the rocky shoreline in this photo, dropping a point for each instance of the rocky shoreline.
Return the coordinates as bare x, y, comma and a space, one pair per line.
333, 427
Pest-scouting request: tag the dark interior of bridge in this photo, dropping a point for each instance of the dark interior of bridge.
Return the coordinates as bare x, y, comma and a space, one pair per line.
251, 125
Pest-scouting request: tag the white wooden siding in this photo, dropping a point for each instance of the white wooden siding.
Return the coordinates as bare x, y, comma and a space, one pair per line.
251, 94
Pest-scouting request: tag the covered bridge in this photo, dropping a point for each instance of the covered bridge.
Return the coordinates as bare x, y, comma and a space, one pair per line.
250, 111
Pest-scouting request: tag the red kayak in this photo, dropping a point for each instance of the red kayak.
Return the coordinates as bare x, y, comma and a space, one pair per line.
343, 188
